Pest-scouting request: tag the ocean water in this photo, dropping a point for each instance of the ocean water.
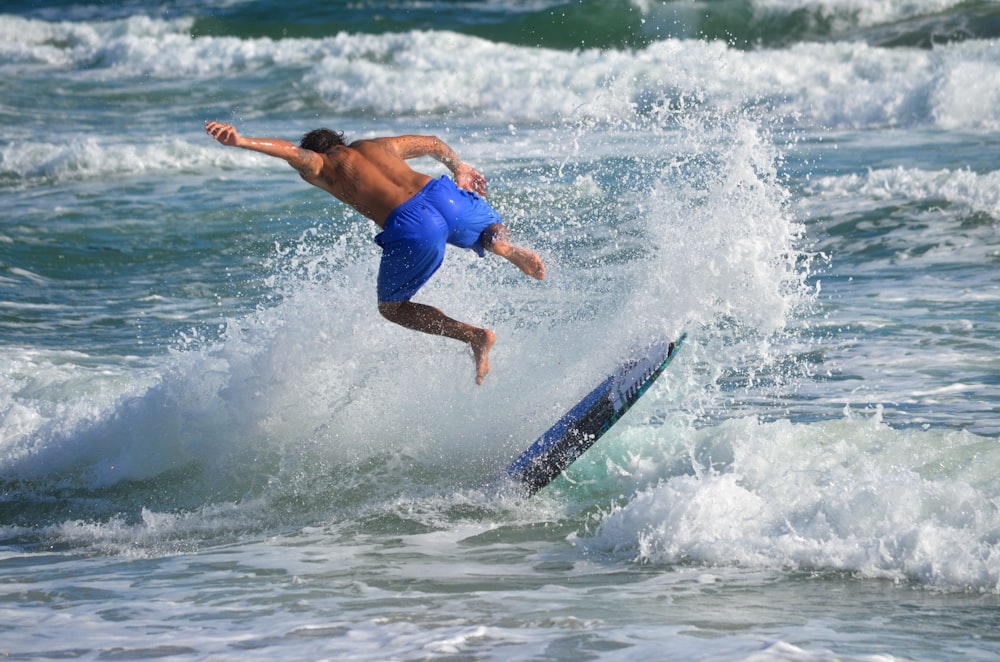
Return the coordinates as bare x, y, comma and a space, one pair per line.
213, 447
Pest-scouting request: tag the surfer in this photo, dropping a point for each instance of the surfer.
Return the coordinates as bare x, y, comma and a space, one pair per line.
417, 213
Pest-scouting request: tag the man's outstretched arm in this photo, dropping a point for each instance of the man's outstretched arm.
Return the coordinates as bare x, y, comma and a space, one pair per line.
307, 162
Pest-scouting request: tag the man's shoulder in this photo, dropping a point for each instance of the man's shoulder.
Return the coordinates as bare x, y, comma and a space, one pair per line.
376, 149
361, 143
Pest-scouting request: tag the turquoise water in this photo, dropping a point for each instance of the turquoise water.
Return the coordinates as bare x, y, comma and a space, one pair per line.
212, 446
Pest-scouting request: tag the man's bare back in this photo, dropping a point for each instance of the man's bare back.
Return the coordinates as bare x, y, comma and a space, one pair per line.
372, 176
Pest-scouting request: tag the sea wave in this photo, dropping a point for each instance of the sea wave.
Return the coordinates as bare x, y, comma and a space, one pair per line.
842, 85
41, 162
852, 495
971, 192
583, 24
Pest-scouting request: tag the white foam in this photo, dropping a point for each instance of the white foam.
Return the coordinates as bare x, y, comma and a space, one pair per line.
96, 157
26, 42
850, 495
848, 13
977, 192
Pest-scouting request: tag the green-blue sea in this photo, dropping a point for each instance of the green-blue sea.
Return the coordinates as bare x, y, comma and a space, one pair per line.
213, 447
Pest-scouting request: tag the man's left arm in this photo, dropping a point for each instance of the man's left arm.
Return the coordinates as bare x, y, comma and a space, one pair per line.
466, 177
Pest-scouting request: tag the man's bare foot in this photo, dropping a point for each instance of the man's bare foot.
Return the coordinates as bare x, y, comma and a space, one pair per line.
481, 346
524, 259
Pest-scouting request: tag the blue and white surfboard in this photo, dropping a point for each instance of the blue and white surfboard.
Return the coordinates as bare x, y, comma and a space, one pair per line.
585, 423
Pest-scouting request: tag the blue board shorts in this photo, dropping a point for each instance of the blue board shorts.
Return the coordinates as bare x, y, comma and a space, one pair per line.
414, 237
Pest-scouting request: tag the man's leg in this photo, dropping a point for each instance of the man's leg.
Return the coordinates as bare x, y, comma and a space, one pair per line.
496, 238
420, 317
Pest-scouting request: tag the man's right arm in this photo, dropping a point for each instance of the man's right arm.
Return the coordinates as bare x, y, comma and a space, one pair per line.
308, 163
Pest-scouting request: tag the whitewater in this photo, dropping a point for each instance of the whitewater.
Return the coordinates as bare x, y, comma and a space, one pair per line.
212, 445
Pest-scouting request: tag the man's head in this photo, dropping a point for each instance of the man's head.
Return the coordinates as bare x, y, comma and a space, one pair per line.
321, 140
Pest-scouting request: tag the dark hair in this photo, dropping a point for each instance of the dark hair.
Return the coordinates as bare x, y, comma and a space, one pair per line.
321, 140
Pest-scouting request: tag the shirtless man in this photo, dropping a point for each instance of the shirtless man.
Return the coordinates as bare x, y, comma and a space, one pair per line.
418, 216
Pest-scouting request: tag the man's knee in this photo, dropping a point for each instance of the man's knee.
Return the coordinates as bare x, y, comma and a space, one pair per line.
390, 309
493, 233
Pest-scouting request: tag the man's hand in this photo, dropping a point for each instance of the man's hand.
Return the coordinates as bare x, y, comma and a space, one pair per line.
468, 179
224, 133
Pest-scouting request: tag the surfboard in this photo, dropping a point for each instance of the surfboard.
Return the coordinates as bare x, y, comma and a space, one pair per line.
590, 418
